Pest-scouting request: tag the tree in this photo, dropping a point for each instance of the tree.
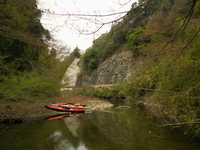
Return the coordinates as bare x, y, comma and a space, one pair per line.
76, 52
22, 35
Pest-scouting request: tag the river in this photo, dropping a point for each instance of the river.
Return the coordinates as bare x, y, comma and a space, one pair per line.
118, 129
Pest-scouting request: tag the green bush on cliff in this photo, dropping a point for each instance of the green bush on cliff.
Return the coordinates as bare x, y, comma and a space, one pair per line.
133, 34
102, 48
89, 60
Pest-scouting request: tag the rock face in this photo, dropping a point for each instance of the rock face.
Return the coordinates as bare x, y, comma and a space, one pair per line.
70, 76
111, 71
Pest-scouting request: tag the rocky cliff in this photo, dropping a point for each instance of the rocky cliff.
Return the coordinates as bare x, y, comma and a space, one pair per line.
71, 73
111, 71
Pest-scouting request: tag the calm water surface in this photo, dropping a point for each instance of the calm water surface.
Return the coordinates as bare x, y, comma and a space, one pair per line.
121, 129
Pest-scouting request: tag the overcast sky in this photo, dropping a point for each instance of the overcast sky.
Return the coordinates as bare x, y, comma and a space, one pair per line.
76, 30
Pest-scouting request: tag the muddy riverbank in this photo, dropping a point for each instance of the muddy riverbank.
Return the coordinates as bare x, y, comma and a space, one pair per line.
14, 112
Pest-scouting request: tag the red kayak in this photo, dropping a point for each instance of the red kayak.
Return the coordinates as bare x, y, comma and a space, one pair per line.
64, 109
72, 105
77, 104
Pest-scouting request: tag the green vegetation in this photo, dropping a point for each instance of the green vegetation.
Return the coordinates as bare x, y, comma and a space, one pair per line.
27, 86
167, 50
30, 69
163, 35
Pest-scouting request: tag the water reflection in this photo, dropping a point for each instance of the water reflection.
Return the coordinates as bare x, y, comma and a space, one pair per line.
117, 130
64, 116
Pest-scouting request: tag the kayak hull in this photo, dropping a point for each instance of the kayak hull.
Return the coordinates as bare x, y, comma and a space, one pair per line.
71, 105
64, 109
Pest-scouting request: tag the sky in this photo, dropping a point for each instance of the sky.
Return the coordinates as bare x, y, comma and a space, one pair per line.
75, 30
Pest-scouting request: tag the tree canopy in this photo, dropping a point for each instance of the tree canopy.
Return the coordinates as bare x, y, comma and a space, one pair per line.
26, 55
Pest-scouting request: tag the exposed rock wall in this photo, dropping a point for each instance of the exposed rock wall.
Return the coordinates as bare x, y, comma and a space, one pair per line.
111, 71
70, 76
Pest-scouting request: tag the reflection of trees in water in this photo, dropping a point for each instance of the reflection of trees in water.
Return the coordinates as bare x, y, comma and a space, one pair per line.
106, 131
120, 130
94, 131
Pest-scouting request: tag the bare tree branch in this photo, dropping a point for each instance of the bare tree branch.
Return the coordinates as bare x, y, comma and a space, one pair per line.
96, 19
84, 15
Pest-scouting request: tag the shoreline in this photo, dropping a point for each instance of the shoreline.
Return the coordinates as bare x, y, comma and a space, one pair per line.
23, 111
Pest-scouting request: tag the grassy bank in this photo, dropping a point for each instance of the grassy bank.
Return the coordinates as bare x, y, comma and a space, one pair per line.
26, 86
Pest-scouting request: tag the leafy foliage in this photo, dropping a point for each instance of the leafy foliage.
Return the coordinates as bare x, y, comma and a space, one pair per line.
21, 34
76, 52
167, 59
27, 66
90, 60
132, 36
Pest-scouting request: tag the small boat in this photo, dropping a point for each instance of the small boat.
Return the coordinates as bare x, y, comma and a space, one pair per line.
64, 109
63, 116
72, 105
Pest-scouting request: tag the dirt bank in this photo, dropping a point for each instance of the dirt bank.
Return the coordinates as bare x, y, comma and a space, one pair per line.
13, 112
